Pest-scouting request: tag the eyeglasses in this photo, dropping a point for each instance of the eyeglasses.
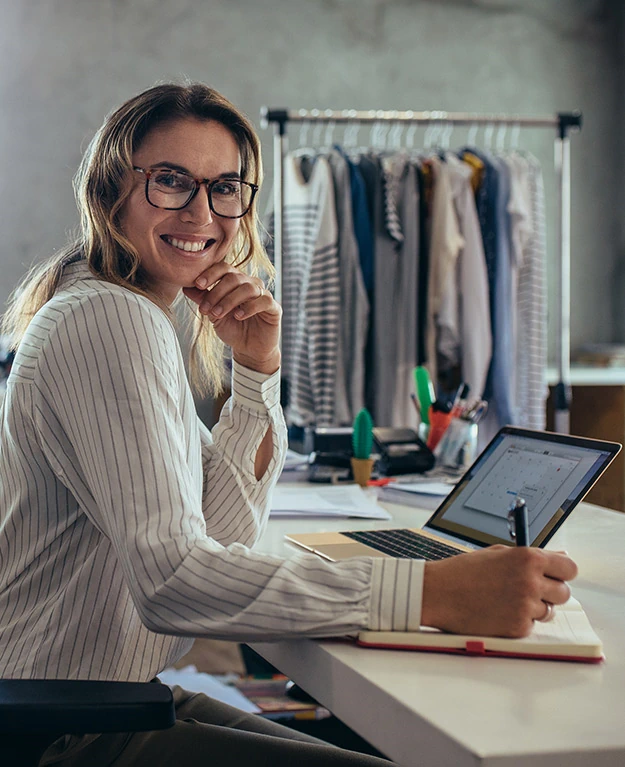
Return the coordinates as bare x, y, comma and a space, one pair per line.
173, 190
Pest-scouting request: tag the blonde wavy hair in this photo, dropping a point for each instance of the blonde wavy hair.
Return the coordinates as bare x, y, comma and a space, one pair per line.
102, 185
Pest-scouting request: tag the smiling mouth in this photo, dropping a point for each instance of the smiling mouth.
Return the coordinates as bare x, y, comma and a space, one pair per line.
186, 245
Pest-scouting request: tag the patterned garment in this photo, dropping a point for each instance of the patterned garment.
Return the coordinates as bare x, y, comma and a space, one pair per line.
531, 361
393, 168
310, 291
124, 522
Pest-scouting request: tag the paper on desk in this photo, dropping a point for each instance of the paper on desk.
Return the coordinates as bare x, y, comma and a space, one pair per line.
330, 501
295, 461
426, 488
190, 678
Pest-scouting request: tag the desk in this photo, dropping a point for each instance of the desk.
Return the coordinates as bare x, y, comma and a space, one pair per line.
435, 710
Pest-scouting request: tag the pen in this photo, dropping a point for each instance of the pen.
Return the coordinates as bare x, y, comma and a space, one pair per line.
381, 482
521, 529
460, 399
415, 402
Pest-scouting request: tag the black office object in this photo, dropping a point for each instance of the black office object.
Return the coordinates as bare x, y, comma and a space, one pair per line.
401, 452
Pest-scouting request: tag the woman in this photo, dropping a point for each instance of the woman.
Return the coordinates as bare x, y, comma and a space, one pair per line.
124, 523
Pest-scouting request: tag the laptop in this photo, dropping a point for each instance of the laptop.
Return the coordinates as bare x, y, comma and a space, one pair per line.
551, 472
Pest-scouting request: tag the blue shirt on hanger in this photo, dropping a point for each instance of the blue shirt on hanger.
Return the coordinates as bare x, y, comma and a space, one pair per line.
492, 208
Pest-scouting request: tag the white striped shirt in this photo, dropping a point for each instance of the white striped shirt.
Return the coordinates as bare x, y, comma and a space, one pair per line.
311, 297
125, 525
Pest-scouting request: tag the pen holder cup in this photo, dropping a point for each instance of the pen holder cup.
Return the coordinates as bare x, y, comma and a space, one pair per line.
361, 469
458, 446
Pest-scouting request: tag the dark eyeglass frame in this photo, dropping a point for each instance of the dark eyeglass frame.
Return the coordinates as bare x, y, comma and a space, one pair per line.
199, 182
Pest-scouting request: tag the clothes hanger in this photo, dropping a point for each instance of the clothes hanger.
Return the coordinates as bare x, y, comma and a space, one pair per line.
488, 135
500, 143
472, 135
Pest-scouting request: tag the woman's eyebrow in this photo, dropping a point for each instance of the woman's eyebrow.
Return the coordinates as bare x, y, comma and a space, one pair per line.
182, 169
173, 166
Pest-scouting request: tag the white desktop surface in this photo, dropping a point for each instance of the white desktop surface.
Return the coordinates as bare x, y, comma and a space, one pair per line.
582, 375
432, 709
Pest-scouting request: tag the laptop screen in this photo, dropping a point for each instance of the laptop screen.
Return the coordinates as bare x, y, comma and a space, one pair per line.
551, 472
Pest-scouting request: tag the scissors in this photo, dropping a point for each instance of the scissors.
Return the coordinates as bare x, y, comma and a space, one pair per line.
476, 412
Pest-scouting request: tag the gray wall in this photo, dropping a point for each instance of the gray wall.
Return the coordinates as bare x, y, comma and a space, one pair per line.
618, 294
65, 63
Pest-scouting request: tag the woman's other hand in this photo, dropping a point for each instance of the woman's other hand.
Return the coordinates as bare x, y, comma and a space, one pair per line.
499, 591
244, 314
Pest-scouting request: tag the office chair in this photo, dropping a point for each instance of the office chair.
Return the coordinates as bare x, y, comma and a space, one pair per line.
45, 709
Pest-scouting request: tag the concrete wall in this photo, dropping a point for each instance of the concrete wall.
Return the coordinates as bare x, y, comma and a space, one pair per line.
65, 63
618, 293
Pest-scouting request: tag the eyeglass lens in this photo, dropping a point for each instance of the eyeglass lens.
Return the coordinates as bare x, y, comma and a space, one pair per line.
172, 189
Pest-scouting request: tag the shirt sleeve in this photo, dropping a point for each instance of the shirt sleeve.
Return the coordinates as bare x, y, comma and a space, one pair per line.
234, 503
110, 416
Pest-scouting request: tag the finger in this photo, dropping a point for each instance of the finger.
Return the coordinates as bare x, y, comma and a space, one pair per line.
263, 303
556, 592
213, 273
559, 566
232, 289
200, 297
245, 297
210, 277
547, 612
194, 294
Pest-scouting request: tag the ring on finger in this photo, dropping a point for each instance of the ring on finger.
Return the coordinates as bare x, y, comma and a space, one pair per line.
549, 613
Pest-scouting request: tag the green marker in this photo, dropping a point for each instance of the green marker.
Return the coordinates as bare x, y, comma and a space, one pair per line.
425, 392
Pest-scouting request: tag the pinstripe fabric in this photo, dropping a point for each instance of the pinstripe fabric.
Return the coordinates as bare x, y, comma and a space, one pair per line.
124, 523
311, 293
531, 350
393, 169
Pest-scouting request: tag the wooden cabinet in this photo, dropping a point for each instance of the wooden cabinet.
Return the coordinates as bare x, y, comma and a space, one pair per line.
598, 411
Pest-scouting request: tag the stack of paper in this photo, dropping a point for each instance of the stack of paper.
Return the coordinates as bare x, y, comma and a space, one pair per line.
330, 501
295, 461
426, 494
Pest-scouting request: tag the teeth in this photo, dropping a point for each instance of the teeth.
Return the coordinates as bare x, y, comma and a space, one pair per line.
189, 247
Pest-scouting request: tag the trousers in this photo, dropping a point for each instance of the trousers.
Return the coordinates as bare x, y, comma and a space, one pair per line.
207, 733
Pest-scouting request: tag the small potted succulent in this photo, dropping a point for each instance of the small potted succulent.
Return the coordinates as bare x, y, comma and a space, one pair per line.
362, 444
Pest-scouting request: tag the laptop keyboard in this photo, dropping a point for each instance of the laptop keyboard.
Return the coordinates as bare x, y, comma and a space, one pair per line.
403, 544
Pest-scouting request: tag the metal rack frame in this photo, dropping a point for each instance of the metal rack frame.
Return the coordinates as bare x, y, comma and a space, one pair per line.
562, 123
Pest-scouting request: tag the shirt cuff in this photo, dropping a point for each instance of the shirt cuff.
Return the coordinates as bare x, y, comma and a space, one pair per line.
396, 594
254, 390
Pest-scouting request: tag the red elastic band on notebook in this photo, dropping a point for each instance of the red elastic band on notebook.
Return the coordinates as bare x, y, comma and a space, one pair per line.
475, 648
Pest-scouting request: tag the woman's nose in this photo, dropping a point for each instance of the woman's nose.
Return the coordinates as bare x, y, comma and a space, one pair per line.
199, 209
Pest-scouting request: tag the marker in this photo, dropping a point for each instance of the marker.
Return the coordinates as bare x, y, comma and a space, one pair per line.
425, 392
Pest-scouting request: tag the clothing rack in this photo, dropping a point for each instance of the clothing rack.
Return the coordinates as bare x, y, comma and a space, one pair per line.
562, 123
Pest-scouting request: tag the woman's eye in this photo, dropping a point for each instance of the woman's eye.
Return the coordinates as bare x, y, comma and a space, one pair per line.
227, 189
170, 180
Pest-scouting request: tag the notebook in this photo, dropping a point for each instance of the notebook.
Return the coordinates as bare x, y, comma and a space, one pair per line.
568, 636
551, 472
